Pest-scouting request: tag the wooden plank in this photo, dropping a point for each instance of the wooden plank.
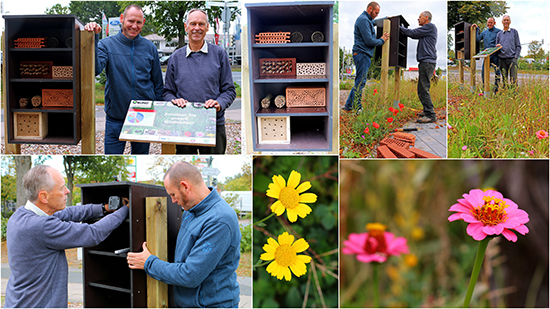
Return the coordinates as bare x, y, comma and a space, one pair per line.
385, 63
472, 60
168, 148
156, 227
460, 55
87, 91
8, 148
246, 147
397, 93
335, 90
487, 76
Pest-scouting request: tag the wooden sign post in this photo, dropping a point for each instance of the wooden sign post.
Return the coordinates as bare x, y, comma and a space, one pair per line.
472, 60
385, 63
486, 56
157, 242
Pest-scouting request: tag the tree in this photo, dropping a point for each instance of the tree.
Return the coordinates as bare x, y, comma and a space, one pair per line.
88, 11
241, 181
22, 166
160, 164
536, 51
474, 12
8, 185
57, 9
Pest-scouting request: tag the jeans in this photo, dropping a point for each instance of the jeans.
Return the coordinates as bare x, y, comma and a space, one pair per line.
221, 144
362, 65
115, 146
494, 65
509, 68
425, 73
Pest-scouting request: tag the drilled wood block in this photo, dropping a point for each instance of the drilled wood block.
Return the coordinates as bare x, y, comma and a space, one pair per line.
384, 152
310, 69
30, 125
423, 154
406, 137
297, 96
35, 69
277, 67
62, 72
273, 130
400, 152
386, 141
57, 97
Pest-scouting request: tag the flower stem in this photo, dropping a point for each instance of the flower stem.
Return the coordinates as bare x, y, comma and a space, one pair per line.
475, 272
375, 284
271, 215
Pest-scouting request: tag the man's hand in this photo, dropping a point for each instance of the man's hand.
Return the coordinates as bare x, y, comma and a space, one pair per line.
498, 45
137, 260
385, 36
93, 26
474, 25
179, 102
125, 202
213, 103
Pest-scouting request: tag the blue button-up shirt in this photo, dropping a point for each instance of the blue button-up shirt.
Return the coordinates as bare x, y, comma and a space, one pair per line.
511, 47
489, 37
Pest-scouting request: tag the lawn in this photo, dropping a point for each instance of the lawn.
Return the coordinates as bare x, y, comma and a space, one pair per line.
504, 125
359, 134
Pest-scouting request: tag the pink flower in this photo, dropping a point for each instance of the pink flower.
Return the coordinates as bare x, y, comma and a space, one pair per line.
542, 134
489, 213
375, 125
481, 94
449, 126
532, 152
464, 147
376, 245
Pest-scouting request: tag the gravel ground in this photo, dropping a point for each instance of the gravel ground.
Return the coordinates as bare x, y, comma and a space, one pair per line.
233, 131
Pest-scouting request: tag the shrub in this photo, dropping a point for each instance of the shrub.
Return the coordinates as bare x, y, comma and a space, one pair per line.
246, 238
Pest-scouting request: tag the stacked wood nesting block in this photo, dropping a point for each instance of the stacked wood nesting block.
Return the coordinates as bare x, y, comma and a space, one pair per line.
29, 43
35, 69
57, 97
277, 67
30, 125
273, 37
273, 130
302, 96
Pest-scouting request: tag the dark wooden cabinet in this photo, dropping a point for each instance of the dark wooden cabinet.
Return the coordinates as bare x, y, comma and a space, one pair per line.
398, 42
310, 24
58, 123
108, 282
463, 40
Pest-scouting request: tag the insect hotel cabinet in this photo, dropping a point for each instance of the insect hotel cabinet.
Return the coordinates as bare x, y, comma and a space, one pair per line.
108, 282
290, 76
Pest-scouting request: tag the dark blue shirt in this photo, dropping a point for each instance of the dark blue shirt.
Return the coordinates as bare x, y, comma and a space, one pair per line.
488, 36
365, 35
427, 40
511, 47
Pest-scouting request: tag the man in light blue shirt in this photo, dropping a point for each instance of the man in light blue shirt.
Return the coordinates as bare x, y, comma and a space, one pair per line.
508, 56
489, 37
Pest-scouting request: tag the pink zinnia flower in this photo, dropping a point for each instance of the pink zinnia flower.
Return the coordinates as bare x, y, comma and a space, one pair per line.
489, 213
376, 245
464, 147
449, 126
542, 134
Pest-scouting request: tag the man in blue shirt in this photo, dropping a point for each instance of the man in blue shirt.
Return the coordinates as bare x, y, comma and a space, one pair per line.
508, 56
363, 48
207, 249
426, 55
489, 38
133, 72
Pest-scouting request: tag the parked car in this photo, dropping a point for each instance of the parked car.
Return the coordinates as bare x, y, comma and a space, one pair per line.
164, 60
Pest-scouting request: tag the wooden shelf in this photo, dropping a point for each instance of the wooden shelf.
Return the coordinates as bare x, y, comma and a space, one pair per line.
109, 285
40, 80
293, 79
293, 111
45, 49
291, 45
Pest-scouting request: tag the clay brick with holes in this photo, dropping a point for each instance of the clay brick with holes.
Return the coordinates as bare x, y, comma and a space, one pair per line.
388, 140
312, 96
277, 67
62, 72
30, 125
406, 137
421, 154
305, 69
57, 97
273, 130
273, 37
401, 152
384, 152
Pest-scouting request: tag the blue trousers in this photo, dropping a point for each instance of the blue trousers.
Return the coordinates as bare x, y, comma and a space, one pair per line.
115, 146
362, 65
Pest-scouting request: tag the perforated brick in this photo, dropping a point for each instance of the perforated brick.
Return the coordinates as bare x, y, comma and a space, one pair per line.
277, 67
406, 137
57, 97
62, 72
388, 140
273, 37
30, 125
423, 154
310, 69
384, 152
273, 130
400, 152
305, 96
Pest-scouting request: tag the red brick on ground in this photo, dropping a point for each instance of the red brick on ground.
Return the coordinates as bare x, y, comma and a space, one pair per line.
389, 140
423, 154
406, 137
384, 153
401, 152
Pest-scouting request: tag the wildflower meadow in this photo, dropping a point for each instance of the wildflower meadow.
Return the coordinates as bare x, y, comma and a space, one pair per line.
295, 232
447, 233
510, 124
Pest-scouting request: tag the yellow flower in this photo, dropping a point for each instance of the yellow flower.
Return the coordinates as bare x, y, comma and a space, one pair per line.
289, 197
284, 256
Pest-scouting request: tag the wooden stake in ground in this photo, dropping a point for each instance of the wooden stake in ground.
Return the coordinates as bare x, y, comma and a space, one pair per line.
460, 58
385, 63
397, 93
156, 227
472, 60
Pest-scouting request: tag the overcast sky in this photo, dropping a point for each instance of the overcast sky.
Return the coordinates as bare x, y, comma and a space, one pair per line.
410, 10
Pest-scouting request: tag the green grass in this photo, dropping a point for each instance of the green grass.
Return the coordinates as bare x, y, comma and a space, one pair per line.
99, 94
500, 126
354, 142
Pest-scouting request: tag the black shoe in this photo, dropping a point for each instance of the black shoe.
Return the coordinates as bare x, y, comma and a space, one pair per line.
421, 114
343, 109
426, 119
